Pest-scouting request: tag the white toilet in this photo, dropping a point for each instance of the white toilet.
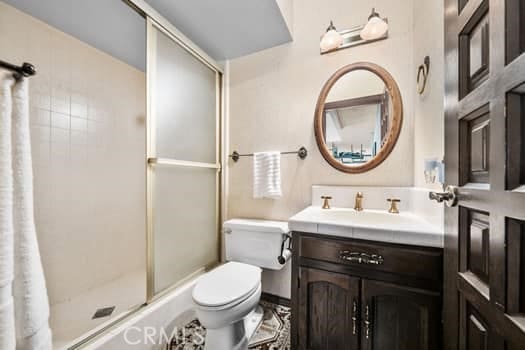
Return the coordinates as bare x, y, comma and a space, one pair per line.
226, 299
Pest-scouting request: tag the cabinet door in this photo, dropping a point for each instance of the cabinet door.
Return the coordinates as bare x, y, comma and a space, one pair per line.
328, 311
399, 318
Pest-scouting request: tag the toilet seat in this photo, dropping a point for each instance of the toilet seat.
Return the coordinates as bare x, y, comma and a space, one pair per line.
226, 286
230, 305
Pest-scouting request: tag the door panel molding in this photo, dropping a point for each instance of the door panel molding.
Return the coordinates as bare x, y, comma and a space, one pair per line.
482, 269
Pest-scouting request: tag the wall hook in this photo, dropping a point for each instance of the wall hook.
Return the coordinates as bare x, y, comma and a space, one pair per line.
423, 70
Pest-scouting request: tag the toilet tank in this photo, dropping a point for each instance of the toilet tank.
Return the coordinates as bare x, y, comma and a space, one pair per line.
255, 242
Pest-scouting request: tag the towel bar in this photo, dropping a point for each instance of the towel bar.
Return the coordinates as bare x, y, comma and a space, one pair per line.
302, 153
25, 70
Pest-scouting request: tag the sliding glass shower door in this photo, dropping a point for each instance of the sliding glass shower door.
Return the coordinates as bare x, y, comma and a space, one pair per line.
183, 161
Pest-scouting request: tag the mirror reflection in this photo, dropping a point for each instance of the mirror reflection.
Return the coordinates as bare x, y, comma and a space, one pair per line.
357, 117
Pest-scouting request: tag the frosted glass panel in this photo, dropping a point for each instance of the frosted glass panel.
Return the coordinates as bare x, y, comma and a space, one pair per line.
184, 103
185, 227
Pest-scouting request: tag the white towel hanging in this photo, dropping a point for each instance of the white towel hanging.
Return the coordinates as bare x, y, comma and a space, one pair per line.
29, 286
7, 312
24, 305
267, 175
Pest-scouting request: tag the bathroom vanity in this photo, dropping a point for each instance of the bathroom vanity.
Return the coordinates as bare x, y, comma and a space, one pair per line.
367, 269
365, 280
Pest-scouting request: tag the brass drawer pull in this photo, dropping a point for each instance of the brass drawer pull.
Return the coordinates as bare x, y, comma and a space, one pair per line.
361, 258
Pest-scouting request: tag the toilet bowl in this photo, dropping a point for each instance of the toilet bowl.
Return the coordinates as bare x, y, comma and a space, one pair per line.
226, 299
225, 302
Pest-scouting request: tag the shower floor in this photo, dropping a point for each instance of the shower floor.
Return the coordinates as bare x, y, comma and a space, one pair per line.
72, 320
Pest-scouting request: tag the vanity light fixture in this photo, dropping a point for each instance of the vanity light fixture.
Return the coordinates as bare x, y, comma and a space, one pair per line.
331, 40
375, 28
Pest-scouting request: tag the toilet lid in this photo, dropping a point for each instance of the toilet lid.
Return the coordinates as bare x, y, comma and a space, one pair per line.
226, 284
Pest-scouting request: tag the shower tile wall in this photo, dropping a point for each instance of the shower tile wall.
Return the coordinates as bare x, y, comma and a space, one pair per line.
88, 137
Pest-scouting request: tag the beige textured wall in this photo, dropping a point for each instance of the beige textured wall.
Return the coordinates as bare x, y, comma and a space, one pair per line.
428, 108
88, 140
273, 95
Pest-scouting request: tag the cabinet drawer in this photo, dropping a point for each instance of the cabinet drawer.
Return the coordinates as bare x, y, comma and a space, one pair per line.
419, 262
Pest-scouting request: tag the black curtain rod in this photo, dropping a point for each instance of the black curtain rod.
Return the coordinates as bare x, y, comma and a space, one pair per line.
25, 70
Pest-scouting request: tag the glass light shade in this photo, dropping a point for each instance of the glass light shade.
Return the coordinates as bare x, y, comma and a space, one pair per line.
374, 29
331, 40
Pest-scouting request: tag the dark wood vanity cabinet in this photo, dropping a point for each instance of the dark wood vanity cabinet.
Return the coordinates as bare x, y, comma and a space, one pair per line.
353, 294
398, 317
327, 312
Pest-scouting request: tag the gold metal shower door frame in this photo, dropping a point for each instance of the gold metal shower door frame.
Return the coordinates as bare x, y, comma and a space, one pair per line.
153, 161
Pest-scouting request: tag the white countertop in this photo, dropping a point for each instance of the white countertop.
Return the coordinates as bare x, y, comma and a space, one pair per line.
374, 225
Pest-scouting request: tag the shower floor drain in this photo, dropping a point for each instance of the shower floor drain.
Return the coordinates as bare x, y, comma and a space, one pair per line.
103, 312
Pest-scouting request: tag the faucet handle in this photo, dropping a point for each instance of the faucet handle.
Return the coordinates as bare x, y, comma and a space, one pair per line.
393, 205
326, 203
358, 201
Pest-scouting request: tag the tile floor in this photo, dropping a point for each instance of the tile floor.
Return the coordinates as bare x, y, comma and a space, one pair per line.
272, 334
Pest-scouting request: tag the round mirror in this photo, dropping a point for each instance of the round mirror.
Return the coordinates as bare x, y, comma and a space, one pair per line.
358, 117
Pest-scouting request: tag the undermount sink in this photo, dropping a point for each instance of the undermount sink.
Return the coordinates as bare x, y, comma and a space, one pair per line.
378, 225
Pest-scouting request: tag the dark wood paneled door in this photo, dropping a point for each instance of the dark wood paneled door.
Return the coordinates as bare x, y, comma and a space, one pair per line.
328, 311
399, 318
484, 305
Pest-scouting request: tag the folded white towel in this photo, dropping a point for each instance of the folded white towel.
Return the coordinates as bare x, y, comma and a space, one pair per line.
29, 286
267, 175
7, 315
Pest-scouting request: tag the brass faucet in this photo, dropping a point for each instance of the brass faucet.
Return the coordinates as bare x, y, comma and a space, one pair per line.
358, 201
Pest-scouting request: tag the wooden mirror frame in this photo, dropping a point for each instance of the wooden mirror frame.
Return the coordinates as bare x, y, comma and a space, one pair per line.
395, 129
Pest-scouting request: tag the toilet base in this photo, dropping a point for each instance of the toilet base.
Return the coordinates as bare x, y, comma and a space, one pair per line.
235, 336
253, 321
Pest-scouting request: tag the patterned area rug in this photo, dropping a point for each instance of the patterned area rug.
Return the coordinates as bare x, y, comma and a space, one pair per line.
272, 334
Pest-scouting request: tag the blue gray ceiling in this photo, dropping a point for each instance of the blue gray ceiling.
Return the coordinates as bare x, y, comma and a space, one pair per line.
109, 25
224, 29
227, 29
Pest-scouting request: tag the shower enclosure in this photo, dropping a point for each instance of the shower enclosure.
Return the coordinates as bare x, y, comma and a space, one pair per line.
126, 136
183, 161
